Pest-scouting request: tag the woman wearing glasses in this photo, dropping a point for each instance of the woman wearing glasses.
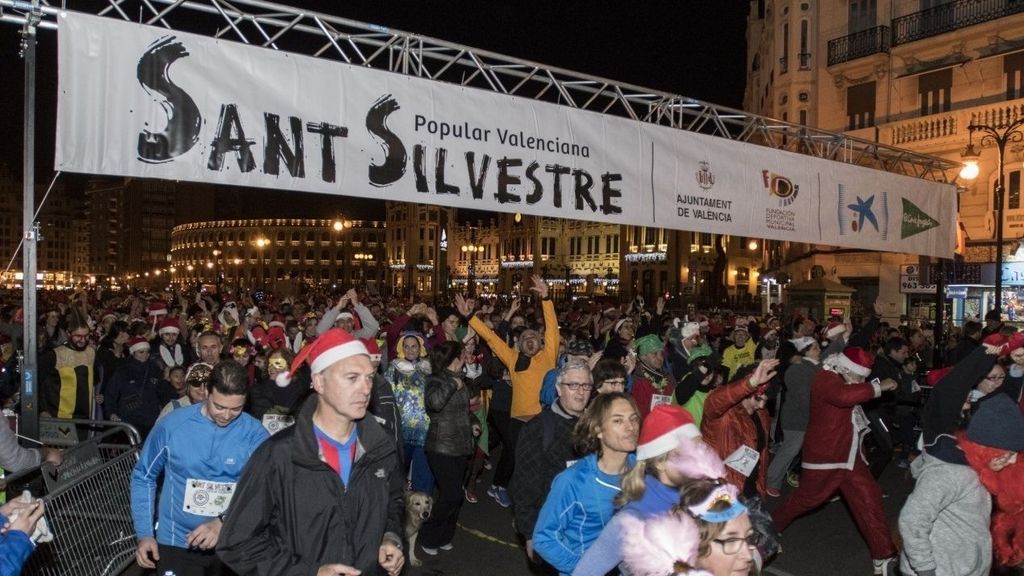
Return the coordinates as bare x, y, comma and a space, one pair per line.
708, 533
580, 503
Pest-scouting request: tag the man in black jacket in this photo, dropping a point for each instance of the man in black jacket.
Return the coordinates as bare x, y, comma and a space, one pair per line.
545, 446
881, 412
325, 495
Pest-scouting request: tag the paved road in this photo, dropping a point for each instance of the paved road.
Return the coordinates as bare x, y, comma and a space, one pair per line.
823, 543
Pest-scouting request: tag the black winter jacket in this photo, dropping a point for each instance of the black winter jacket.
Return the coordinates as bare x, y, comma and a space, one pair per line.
292, 514
544, 449
451, 424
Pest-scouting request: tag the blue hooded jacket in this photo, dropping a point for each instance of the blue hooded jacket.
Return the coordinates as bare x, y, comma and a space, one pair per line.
578, 507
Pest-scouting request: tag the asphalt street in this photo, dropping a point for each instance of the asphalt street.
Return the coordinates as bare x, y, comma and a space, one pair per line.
824, 543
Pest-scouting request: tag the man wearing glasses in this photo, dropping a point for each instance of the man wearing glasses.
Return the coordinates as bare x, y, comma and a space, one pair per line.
68, 374
545, 448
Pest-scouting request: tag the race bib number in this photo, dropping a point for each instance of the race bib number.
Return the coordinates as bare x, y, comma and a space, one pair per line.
860, 420
657, 399
205, 498
743, 460
274, 423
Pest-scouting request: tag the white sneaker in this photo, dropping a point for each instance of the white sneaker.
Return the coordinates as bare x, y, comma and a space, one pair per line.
887, 567
447, 547
429, 551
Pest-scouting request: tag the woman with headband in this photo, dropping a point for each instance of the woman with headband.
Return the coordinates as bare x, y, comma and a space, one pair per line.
708, 534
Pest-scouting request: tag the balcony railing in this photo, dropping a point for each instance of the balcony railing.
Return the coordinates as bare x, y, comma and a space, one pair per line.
805, 60
952, 16
858, 45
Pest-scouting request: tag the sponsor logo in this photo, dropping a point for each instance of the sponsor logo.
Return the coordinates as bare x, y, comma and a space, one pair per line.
914, 220
780, 186
860, 215
705, 177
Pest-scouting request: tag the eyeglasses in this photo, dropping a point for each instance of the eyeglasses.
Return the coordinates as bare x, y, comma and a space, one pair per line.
731, 546
996, 377
614, 382
195, 384
574, 386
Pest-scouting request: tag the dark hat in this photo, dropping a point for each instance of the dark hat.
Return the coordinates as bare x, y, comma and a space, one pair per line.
993, 315
998, 423
580, 347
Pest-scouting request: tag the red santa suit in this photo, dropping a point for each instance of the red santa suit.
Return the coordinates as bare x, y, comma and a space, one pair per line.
832, 458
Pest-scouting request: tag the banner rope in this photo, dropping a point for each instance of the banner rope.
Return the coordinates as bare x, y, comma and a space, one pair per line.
34, 218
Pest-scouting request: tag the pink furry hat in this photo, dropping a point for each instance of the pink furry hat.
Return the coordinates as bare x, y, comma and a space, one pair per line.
697, 460
662, 546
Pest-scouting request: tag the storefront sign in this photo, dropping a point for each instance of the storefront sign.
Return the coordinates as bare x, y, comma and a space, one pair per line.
147, 102
1013, 274
956, 292
910, 282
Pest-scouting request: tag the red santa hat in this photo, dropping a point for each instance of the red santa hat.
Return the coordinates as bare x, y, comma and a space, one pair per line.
330, 347
856, 360
157, 308
372, 348
136, 344
169, 326
277, 321
832, 330
663, 429
108, 314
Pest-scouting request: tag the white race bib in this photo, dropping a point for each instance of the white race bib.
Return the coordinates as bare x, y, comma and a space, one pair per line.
657, 399
860, 420
743, 460
274, 423
205, 498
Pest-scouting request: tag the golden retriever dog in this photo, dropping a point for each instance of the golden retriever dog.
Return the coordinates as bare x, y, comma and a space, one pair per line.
417, 509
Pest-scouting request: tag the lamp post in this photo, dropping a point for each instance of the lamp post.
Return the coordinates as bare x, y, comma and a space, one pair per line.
262, 243
472, 249
1000, 136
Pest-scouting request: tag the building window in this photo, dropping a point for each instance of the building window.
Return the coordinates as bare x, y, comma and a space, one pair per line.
935, 90
805, 51
1013, 190
783, 62
742, 275
1013, 68
860, 106
862, 14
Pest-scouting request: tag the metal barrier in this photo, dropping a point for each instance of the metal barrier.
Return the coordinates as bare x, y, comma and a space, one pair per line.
88, 504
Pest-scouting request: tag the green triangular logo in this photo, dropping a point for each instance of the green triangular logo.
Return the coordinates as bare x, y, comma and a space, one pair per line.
915, 220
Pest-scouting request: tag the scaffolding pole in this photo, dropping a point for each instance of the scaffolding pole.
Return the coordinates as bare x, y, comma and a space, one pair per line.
29, 423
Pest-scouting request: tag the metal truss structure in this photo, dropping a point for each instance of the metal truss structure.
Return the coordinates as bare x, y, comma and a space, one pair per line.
280, 27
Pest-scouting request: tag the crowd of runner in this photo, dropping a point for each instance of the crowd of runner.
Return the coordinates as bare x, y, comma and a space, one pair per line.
287, 435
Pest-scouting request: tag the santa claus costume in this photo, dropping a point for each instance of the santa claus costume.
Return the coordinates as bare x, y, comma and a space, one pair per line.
832, 458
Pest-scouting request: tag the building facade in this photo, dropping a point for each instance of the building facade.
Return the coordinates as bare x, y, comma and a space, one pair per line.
277, 254
908, 73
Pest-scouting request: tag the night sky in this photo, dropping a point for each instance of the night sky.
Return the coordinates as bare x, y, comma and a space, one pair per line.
689, 47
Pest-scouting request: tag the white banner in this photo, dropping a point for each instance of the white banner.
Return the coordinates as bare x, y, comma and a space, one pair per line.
147, 102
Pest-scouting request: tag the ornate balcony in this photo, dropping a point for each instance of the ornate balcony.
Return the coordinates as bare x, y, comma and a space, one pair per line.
858, 45
948, 17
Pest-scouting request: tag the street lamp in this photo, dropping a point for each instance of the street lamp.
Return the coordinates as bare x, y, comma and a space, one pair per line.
262, 243
472, 249
363, 258
1000, 136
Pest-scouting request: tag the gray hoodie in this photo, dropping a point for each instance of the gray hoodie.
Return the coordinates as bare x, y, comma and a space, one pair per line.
945, 521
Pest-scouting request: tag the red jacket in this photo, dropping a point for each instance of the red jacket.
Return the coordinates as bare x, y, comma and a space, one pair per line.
833, 436
727, 426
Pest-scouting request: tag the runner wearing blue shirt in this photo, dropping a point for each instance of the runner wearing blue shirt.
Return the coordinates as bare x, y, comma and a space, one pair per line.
581, 501
200, 450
